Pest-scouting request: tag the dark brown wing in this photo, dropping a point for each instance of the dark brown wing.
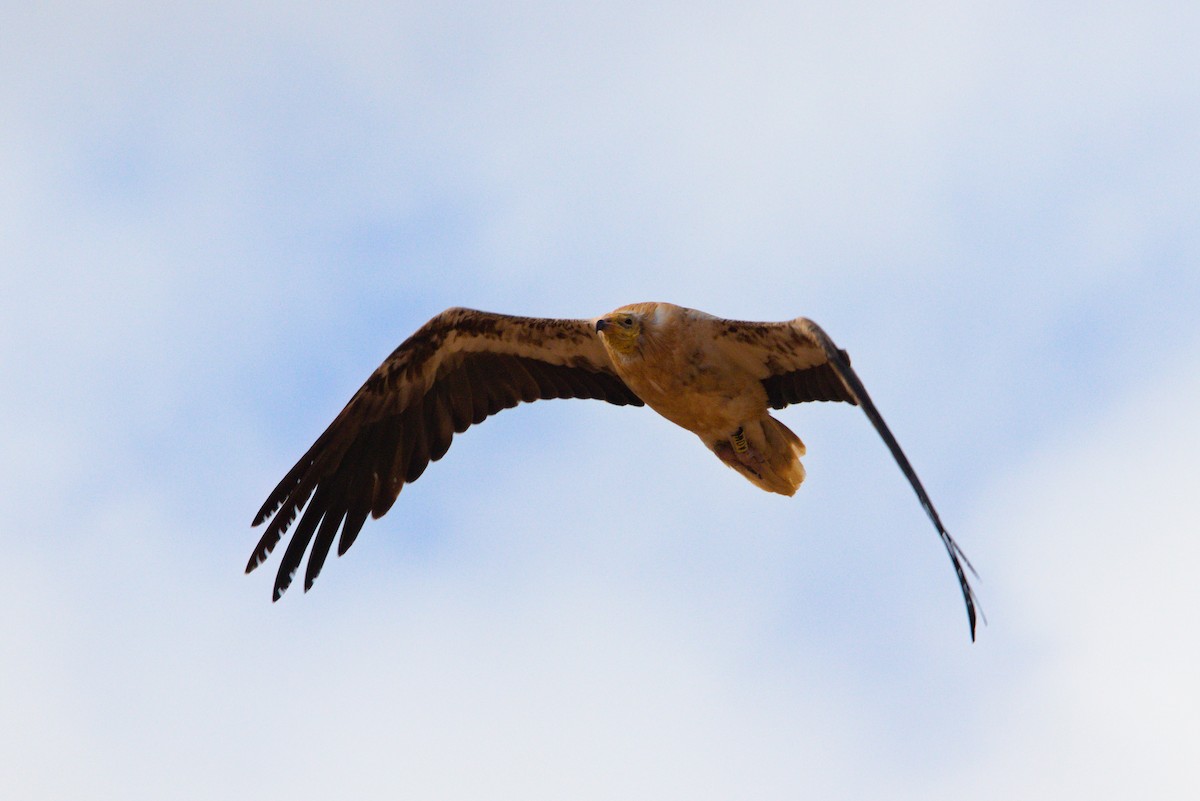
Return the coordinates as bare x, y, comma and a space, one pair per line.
799, 363
455, 371
820, 382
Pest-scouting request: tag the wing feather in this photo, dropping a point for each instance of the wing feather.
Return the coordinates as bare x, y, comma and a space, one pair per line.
294, 553
353, 525
482, 394
527, 386
552, 383
455, 371
577, 385
321, 545
457, 388
502, 391
819, 383
439, 423
417, 439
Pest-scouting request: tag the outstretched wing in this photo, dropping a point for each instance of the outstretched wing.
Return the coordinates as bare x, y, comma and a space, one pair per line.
798, 362
455, 371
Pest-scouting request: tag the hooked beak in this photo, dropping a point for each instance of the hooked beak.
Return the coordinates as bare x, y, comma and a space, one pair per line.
602, 324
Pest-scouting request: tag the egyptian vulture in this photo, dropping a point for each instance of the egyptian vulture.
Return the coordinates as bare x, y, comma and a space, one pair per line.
717, 378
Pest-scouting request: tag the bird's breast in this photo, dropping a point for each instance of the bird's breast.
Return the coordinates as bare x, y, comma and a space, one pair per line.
695, 393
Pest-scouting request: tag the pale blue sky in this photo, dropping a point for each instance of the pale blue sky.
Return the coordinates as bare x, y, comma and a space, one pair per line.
217, 222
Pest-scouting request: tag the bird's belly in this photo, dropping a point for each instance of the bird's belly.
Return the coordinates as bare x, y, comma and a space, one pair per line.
706, 405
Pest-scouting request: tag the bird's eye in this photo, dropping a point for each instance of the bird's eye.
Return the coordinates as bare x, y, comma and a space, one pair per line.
626, 322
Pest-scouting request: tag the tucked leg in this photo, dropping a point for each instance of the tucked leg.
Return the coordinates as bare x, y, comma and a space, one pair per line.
744, 452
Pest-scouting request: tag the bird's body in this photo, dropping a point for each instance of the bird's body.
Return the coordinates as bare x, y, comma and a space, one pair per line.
717, 378
701, 373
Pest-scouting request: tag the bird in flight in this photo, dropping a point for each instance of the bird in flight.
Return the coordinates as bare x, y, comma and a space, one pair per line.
717, 378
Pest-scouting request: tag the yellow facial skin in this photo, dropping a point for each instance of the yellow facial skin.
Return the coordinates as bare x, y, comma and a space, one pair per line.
621, 330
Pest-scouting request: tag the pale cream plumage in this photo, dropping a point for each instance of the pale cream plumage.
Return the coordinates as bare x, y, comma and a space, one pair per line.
706, 374
717, 378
